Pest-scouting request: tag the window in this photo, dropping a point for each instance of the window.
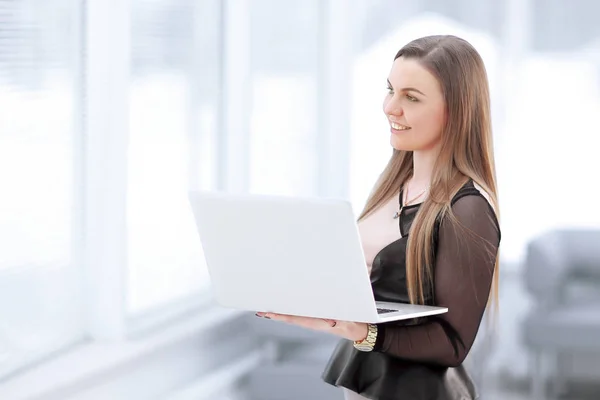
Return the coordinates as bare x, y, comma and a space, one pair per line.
174, 114
40, 164
285, 130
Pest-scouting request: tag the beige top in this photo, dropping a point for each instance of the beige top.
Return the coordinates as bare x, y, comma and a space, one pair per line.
379, 229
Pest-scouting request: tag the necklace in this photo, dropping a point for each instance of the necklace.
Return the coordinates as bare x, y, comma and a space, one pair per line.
408, 202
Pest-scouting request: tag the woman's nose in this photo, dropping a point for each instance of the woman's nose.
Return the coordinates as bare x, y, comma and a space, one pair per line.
393, 108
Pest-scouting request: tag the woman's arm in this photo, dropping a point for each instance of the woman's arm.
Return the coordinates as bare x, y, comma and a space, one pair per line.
462, 278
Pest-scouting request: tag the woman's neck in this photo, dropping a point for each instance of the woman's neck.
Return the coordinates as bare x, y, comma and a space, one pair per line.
423, 163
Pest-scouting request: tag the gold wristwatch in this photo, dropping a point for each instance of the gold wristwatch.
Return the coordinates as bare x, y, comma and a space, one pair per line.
368, 343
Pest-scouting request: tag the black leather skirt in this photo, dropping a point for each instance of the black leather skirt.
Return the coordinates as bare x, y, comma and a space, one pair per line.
379, 376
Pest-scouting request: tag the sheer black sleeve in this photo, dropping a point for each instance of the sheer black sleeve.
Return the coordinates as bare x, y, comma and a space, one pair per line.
462, 280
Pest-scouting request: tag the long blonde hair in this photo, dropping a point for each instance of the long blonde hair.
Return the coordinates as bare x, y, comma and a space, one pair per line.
466, 152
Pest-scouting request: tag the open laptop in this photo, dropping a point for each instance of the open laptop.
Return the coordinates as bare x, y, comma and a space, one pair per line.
290, 255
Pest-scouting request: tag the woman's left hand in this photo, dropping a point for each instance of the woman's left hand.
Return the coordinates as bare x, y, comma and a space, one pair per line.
348, 330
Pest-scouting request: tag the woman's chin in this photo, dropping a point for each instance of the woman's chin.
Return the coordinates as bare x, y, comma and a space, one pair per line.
400, 144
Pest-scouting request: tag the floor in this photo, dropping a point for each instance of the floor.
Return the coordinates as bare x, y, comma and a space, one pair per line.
516, 396
496, 393
580, 392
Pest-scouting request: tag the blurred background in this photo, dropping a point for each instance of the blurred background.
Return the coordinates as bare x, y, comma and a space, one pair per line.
111, 110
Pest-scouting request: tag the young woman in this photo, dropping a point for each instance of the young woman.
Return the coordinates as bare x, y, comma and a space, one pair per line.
429, 230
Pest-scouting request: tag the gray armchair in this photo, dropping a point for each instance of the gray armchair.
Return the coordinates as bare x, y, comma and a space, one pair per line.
562, 273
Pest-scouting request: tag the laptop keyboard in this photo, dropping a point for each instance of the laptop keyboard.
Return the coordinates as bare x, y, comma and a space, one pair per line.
384, 310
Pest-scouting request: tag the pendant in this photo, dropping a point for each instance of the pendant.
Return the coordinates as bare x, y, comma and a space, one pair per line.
397, 215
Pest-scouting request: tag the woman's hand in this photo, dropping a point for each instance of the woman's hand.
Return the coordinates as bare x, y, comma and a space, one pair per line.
348, 330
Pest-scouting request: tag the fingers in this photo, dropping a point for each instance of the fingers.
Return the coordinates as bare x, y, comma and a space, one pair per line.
276, 317
290, 319
315, 323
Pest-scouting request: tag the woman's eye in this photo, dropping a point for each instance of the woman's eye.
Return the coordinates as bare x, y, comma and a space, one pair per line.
411, 98
390, 90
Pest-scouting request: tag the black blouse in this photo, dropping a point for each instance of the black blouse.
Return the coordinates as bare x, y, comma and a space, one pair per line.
422, 358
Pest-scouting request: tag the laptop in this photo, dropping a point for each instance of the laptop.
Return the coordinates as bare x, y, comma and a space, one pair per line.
290, 255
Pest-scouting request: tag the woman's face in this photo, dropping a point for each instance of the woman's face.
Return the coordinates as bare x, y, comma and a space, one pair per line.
414, 107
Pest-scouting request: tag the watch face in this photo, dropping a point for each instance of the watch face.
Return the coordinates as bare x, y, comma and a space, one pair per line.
363, 347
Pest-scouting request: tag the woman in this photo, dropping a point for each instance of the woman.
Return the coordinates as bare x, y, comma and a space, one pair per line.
429, 229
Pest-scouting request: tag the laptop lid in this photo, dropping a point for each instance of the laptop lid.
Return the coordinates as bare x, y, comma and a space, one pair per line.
289, 255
